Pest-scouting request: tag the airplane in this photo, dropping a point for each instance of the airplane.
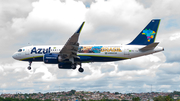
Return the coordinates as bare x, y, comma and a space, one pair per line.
70, 55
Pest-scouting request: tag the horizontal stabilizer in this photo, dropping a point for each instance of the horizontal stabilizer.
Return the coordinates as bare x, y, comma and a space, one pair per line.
149, 47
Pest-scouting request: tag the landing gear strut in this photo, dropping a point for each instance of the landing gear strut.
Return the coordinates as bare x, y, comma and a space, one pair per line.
73, 66
29, 67
81, 69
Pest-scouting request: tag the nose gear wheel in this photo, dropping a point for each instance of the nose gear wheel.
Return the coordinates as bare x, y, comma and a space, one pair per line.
29, 67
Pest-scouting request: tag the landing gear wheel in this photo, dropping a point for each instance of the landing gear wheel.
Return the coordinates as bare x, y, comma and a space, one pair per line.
73, 66
81, 70
29, 68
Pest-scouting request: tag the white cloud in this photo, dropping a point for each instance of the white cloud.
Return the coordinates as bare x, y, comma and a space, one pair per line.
175, 36
146, 86
47, 75
72, 73
1, 69
164, 8
62, 14
95, 73
110, 85
165, 86
176, 79
3, 85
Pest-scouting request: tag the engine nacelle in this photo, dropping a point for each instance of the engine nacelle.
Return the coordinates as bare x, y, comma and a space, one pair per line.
66, 65
52, 58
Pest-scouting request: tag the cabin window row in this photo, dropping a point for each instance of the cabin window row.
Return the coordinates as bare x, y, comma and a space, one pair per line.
55, 50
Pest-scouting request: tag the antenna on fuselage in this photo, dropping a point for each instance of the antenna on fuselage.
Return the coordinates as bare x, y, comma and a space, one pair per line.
30, 44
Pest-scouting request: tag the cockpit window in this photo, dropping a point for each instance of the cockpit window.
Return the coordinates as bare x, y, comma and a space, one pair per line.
20, 50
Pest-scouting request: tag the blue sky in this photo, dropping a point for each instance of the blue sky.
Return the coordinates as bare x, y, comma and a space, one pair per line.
52, 22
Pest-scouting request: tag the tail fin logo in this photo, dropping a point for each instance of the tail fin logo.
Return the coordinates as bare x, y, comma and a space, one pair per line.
149, 33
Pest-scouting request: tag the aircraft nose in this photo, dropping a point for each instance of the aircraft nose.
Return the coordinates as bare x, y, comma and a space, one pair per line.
14, 56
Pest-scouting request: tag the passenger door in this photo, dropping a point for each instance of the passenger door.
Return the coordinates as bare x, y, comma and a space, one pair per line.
27, 52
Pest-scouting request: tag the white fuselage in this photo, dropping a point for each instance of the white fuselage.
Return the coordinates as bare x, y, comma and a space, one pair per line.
116, 52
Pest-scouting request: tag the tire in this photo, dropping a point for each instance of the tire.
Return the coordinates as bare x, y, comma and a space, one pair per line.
73, 66
81, 70
29, 68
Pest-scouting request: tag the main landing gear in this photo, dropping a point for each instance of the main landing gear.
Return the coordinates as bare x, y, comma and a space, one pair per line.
73, 66
29, 67
81, 69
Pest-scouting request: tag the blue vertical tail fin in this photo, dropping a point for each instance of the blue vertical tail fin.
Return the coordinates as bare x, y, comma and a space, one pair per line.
148, 34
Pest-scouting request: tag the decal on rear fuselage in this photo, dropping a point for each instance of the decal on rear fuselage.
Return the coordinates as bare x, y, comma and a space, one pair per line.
98, 49
40, 50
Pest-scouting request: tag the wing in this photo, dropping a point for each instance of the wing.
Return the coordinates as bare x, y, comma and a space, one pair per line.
69, 51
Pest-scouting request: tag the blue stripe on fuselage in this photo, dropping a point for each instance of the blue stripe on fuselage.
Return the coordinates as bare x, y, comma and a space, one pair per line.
98, 59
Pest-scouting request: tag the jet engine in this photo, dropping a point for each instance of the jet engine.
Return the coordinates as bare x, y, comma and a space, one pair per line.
52, 58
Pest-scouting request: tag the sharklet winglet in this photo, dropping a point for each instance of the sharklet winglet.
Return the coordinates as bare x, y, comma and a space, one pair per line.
80, 28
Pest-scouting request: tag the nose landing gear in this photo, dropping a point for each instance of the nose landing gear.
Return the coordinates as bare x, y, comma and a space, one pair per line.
29, 67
